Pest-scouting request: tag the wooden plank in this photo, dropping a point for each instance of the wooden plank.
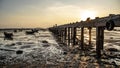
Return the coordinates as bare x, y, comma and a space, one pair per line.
98, 22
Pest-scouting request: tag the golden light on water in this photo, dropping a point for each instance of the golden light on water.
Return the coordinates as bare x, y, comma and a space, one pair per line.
87, 13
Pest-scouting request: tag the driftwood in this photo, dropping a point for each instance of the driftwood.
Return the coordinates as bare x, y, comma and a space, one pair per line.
6, 49
17, 51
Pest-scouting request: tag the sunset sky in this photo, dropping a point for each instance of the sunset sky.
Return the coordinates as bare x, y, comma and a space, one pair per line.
45, 13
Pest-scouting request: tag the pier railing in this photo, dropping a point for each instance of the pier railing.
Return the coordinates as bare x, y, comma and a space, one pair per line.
69, 30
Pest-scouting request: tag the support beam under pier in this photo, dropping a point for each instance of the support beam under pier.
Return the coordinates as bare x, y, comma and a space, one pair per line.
82, 38
74, 36
99, 40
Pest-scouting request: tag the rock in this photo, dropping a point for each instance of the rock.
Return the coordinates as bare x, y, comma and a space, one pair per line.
15, 31
116, 66
111, 37
13, 44
65, 53
44, 41
8, 36
112, 49
19, 52
29, 32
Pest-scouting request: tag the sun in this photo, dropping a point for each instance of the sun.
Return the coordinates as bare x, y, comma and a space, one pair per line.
85, 14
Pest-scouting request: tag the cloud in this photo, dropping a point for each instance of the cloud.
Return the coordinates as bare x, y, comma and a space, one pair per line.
41, 12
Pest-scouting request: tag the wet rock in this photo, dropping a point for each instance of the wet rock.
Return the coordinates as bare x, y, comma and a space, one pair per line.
65, 53
44, 41
112, 49
111, 37
15, 31
19, 52
8, 36
12, 44
116, 66
29, 32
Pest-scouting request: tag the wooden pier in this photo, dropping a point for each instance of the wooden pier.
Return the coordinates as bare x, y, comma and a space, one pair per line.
67, 32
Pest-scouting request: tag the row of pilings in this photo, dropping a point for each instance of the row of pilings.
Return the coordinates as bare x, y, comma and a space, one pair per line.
67, 32
68, 36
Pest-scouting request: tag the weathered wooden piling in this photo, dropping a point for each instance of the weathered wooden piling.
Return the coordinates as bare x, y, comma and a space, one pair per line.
99, 40
65, 34
71, 35
74, 35
89, 28
61, 32
59, 35
68, 36
82, 38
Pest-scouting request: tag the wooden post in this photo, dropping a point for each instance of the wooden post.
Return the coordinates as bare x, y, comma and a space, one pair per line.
57, 32
65, 34
102, 36
99, 40
61, 36
68, 36
82, 38
74, 35
71, 35
89, 28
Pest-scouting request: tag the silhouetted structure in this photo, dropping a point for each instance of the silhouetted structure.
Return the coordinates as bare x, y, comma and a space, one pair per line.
67, 32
